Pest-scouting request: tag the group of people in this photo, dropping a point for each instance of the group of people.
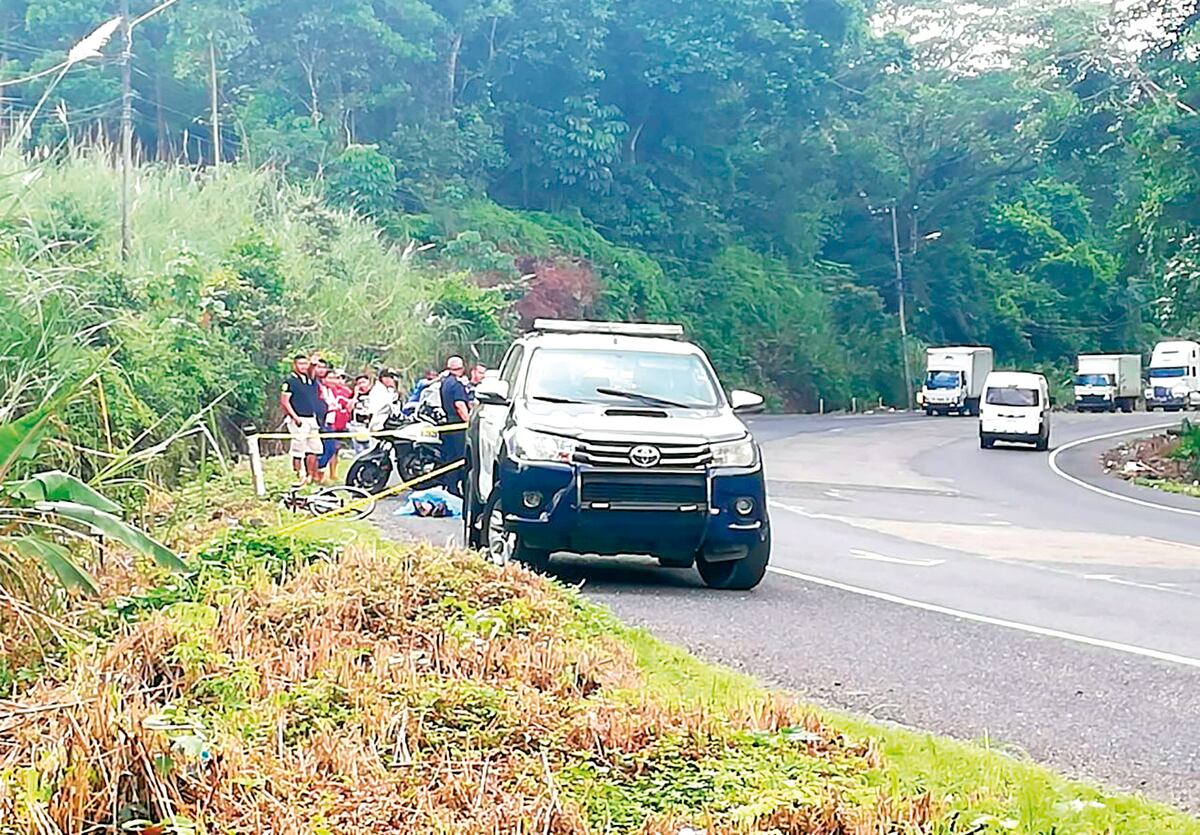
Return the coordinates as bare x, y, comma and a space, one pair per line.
320, 403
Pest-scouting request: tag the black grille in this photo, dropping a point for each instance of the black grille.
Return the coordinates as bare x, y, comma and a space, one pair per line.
679, 456
635, 490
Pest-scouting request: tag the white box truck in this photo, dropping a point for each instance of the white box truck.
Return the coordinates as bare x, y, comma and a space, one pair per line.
1174, 376
954, 379
1107, 382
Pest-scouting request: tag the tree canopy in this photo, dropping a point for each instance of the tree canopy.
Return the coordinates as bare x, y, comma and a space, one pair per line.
732, 164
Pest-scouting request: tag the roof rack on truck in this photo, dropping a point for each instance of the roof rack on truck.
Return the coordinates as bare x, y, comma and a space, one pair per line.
607, 328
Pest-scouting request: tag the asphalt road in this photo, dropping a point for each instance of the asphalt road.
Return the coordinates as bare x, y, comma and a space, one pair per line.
919, 579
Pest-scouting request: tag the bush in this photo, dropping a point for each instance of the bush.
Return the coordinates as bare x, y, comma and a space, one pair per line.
363, 179
1188, 447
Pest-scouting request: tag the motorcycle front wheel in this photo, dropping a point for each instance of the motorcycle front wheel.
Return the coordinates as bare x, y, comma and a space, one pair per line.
370, 474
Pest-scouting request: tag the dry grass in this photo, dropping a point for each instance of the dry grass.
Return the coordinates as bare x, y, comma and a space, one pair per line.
411, 691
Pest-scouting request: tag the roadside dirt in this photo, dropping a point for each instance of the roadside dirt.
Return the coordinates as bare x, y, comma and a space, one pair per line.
1147, 458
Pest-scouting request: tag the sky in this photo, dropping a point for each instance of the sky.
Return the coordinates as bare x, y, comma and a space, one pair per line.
980, 33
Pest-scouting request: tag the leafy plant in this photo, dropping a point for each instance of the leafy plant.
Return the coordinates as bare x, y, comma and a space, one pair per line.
1188, 447
45, 514
363, 179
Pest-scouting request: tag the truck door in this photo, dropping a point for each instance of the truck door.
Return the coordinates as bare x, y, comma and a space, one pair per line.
492, 420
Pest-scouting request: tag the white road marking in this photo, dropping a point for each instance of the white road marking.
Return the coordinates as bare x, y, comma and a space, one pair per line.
860, 554
1042, 631
1058, 471
1113, 578
802, 512
834, 494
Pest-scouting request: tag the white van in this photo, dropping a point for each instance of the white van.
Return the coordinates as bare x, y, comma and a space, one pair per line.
1015, 407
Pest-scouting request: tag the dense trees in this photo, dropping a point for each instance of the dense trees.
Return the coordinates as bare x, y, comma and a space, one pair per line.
732, 163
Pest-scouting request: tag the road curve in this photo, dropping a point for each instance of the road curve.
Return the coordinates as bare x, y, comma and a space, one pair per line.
922, 580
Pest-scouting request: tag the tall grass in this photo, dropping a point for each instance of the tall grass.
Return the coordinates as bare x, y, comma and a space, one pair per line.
227, 275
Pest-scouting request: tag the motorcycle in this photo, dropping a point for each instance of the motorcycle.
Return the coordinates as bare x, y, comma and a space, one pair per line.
414, 451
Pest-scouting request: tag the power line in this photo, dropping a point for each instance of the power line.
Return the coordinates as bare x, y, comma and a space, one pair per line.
28, 49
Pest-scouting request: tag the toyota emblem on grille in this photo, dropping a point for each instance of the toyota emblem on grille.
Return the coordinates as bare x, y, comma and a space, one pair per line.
644, 456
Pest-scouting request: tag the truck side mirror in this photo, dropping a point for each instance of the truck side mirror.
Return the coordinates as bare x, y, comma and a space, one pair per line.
492, 391
745, 402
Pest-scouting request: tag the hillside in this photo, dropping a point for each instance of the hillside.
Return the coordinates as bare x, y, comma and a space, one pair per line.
739, 170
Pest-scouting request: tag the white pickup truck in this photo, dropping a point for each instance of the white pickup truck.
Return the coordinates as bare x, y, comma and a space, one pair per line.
614, 438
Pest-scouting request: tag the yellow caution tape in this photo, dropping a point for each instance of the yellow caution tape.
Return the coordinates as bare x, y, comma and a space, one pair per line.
362, 436
355, 505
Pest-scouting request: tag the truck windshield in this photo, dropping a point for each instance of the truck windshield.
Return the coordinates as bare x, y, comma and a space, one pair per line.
1013, 397
1093, 380
943, 379
1160, 373
624, 377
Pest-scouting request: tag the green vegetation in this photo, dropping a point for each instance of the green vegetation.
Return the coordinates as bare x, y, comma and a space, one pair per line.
1187, 448
1177, 487
284, 683
227, 277
628, 158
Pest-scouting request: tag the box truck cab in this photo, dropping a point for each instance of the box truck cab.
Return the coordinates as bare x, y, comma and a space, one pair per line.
1107, 382
1174, 376
954, 379
1016, 408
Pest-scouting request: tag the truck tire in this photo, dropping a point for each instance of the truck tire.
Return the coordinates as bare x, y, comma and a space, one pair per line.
1043, 442
973, 407
928, 411
986, 442
737, 575
511, 547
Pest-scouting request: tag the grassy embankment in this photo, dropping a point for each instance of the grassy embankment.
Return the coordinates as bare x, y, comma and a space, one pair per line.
336, 682
1178, 487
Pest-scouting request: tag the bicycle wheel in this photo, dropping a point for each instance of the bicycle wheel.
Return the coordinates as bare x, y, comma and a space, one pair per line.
342, 501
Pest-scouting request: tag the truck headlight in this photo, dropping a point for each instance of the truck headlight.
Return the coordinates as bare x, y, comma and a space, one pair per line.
1180, 392
527, 445
734, 454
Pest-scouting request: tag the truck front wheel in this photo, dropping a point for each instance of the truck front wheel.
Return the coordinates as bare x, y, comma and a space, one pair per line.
502, 545
737, 575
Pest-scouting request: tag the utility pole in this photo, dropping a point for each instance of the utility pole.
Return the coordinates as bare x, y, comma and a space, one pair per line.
126, 123
908, 391
216, 116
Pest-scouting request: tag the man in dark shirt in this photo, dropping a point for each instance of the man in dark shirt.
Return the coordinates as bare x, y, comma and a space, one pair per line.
456, 405
299, 401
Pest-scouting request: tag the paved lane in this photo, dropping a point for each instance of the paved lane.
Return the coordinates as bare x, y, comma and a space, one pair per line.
963, 591
994, 533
